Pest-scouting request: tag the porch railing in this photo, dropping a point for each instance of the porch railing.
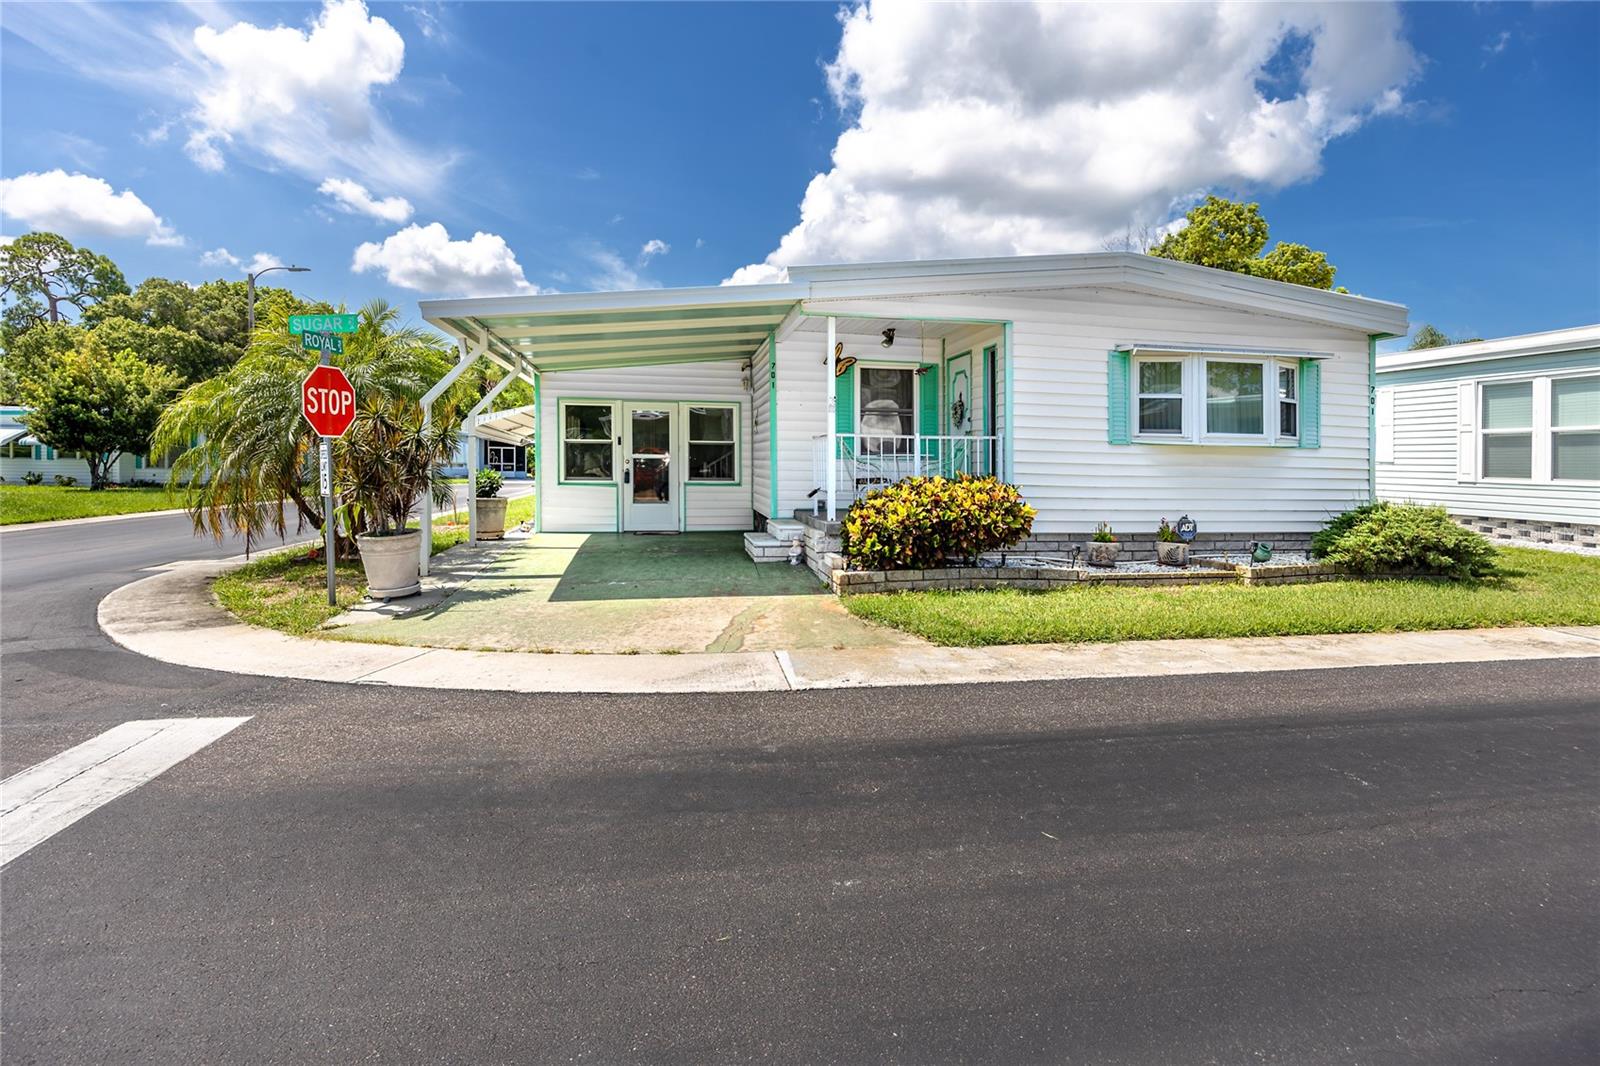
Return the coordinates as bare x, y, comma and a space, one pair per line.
871, 461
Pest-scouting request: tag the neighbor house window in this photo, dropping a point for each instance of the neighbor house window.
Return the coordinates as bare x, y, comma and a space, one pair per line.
586, 442
17, 451
1574, 429
713, 443
1508, 430
1235, 403
1160, 399
1288, 402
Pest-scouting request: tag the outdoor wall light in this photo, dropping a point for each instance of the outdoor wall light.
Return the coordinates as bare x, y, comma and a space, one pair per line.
888, 337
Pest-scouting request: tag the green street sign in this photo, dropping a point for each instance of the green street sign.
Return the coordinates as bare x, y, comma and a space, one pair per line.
324, 323
322, 342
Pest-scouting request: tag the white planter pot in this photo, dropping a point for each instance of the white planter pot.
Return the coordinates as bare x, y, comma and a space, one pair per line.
1172, 553
491, 517
1102, 553
392, 564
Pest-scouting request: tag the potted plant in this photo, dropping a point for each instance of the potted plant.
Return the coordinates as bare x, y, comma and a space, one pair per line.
491, 506
1170, 549
386, 462
1103, 547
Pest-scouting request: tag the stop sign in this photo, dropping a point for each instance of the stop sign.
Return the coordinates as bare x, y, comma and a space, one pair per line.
328, 401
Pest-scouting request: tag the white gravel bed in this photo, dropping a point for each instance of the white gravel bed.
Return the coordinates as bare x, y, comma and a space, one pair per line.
1244, 559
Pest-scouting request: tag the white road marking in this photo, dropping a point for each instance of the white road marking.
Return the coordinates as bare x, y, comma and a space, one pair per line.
39, 802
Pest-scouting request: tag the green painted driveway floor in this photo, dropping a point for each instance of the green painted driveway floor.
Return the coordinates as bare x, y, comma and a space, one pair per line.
609, 592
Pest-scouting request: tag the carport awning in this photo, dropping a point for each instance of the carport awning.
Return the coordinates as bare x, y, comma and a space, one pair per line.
594, 330
15, 435
511, 426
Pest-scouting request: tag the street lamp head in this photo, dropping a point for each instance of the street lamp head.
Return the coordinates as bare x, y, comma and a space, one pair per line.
297, 269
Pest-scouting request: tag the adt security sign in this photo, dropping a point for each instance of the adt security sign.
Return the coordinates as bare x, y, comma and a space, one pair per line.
328, 401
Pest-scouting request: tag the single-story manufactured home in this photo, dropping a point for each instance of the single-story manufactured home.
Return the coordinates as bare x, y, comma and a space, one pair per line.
21, 453
1504, 434
1109, 387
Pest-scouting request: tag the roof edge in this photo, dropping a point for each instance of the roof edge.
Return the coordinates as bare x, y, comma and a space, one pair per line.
1571, 339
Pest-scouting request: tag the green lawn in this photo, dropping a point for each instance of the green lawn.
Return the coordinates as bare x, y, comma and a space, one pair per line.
51, 503
288, 590
1532, 588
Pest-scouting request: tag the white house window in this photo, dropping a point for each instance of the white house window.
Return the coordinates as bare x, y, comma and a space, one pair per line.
887, 409
1574, 429
1235, 402
586, 442
1288, 402
1160, 400
1507, 423
713, 443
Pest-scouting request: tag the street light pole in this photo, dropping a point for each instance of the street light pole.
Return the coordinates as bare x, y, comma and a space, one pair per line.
250, 305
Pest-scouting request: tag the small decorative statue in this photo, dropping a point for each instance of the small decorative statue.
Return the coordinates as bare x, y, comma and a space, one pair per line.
1260, 551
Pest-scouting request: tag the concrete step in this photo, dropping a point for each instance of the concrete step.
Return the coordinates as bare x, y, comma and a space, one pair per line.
784, 528
766, 549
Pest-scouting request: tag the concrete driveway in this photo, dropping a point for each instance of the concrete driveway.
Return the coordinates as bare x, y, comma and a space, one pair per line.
620, 592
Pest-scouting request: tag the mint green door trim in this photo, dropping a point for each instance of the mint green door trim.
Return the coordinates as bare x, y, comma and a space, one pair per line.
1008, 364
772, 421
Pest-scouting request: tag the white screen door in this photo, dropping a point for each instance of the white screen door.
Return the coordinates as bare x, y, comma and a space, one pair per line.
649, 487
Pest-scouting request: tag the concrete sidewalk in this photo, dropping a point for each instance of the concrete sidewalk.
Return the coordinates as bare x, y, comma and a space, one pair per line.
172, 617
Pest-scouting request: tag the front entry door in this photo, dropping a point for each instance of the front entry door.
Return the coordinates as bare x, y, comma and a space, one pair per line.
649, 488
963, 457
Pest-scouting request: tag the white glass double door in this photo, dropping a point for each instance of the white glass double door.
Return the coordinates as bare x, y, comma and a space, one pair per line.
650, 485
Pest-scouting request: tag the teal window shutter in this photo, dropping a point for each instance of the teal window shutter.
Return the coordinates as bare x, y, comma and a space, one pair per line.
844, 415
1117, 378
1310, 403
928, 400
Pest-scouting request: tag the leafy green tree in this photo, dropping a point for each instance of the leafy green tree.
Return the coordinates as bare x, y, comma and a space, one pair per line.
99, 403
1427, 336
1229, 235
43, 274
248, 462
30, 356
213, 313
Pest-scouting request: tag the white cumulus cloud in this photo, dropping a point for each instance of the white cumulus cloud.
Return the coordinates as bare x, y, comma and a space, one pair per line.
652, 248
425, 259
353, 198
999, 129
306, 97
222, 257
79, 205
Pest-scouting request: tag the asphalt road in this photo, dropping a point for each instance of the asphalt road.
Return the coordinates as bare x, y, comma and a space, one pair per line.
1374, 866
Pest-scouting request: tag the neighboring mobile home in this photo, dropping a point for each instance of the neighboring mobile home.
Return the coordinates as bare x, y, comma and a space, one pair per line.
21, 453
1504, 434
1109, 387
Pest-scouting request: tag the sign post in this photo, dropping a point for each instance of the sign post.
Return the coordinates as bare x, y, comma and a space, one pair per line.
328, 402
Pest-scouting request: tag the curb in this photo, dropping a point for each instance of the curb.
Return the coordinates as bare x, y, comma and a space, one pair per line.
58, 523
170, 616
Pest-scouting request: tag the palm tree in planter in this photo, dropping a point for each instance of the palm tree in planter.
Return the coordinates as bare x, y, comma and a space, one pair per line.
382, 466
248, 460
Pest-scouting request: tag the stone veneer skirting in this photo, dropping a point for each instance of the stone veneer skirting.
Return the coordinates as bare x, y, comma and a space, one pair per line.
1561, 534
824, 556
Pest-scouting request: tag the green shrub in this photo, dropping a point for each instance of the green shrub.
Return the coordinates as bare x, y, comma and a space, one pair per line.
1405, 537
33, 477
489, 482
66, 481
922, 522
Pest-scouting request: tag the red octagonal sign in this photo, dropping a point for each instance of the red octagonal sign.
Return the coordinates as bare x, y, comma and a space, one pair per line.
328, 401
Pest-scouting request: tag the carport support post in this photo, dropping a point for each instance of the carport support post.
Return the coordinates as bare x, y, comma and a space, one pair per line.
833, 421
470, 427
425, 542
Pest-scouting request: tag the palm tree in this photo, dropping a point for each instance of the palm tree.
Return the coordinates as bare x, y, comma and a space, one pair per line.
247, 454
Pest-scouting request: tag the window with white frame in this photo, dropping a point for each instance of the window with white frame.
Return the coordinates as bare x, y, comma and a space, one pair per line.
1288, 401
713, 442
1214, 399
586, 442
1160, 399
1507, 430
1575, 429
886, 412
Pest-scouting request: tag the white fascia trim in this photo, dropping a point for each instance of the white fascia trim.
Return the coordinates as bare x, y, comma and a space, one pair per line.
633, 300
1157, 348
1122, 270
1551, 342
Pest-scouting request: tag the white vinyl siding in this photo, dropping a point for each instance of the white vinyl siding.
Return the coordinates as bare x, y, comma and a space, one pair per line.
1438, 446
580, 508
1064, 464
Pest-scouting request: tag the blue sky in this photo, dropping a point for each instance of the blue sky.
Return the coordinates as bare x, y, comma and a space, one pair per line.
1445, 156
